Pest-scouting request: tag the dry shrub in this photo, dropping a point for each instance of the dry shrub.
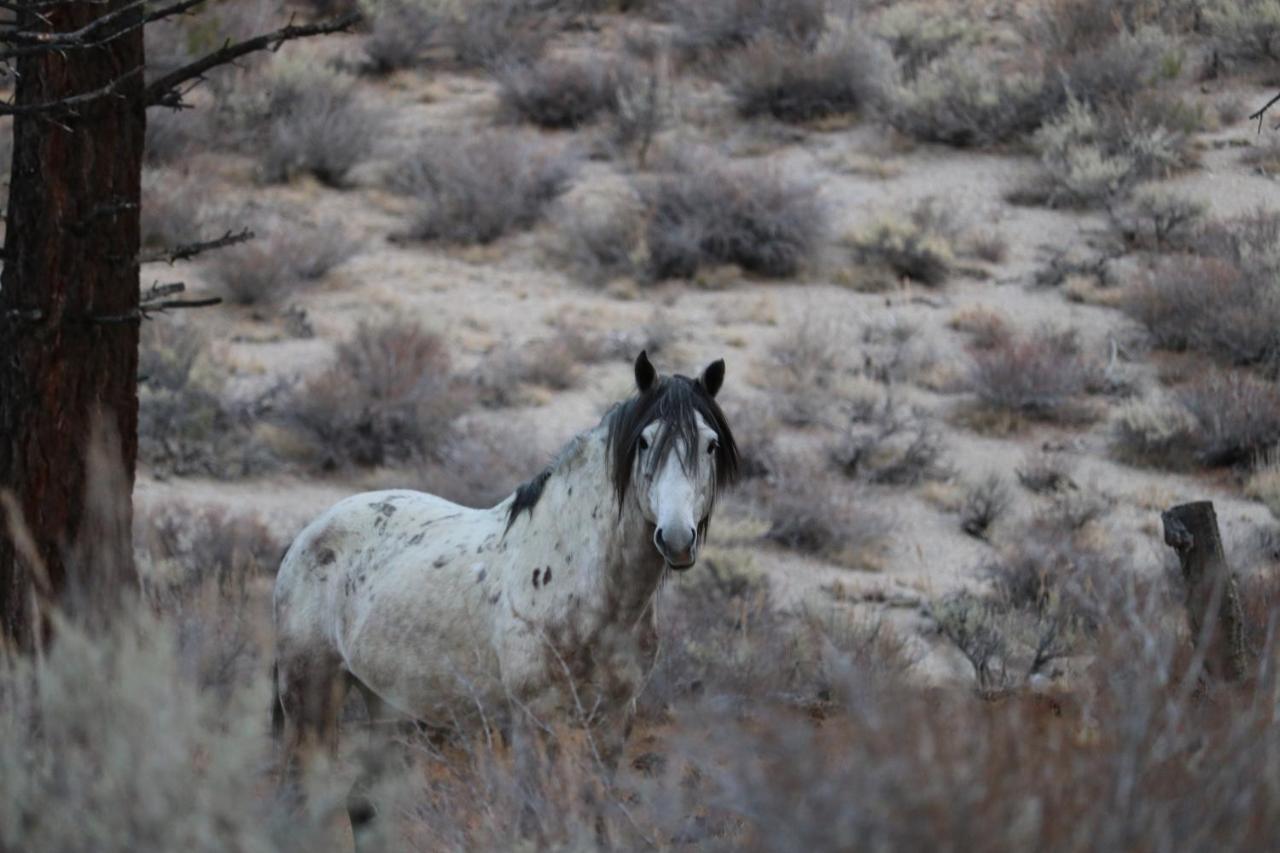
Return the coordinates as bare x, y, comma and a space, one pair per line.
562, 93
402, 31
1223, 299
480, 187
600, 237
316, 122
1237, 417
703, 212
984, 503
1039, 375
1248, 30
1263, 484
113, 725
1103, 53
886, 443
1263, 155
187, 424
282, 255
809, 360
1212, 306
1159, 218
1092, 156
554, 363
388, 397
922, 247
716, 25
963, 100
1223, 418
791, 82
491, 33
917, 35
808, 511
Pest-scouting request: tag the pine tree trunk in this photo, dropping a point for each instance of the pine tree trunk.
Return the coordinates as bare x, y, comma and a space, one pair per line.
68, 302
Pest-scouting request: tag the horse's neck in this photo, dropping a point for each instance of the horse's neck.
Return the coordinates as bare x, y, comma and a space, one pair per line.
618, 564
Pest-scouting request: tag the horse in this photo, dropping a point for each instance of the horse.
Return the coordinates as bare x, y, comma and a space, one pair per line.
542, 604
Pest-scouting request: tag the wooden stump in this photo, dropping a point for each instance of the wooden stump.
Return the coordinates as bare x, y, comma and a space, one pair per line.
1212, 595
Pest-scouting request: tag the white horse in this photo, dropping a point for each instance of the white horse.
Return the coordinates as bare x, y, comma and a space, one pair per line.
543, 603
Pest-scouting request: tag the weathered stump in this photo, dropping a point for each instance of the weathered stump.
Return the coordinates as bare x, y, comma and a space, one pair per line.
1212, 595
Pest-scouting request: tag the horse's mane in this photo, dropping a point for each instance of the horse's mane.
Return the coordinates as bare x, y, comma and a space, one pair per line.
675, 400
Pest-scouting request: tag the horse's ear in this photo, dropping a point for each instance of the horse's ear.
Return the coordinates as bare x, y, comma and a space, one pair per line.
645, 374
713, 377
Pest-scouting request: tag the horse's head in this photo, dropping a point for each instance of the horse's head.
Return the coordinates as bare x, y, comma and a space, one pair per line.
672, 449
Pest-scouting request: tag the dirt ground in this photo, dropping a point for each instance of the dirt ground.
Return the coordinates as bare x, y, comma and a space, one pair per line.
486, 300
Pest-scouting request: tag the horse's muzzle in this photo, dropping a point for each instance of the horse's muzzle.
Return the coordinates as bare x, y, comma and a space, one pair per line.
677, 558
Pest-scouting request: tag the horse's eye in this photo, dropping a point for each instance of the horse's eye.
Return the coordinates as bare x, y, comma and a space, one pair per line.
644, 443
712, 447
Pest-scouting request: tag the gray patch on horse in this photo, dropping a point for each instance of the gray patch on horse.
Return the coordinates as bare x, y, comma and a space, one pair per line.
439, 562
481, 576
496, 597
384, 508
325, 556
546, 576
417, 539
537, 573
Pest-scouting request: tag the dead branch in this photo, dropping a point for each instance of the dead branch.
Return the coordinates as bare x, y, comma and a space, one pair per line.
163, 92
190, 250
42, 42
1262, 112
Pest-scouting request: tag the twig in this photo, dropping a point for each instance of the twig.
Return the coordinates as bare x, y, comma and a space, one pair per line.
190, 250
1262, 112
161, 92
36, 42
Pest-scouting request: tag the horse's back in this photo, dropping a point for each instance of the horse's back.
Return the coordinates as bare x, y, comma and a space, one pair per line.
381, 572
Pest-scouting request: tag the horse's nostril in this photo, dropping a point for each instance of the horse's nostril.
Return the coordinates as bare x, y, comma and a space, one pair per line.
658, 538
693, 535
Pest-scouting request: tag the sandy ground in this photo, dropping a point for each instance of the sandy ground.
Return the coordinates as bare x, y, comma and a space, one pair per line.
510, 293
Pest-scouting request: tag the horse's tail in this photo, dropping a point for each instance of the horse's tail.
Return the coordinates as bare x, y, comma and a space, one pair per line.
277, 707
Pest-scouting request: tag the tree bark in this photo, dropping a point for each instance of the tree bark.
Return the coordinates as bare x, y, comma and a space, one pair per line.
1212, 596
68, 304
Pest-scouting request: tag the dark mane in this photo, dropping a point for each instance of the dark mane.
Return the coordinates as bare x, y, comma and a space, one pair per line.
676, 401
527, 496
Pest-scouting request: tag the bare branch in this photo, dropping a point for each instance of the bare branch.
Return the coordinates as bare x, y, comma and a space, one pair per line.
1262, 112
41, 42
162, 92
190, 250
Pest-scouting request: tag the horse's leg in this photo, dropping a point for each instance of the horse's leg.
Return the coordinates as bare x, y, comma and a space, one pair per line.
312, 688
361, 809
